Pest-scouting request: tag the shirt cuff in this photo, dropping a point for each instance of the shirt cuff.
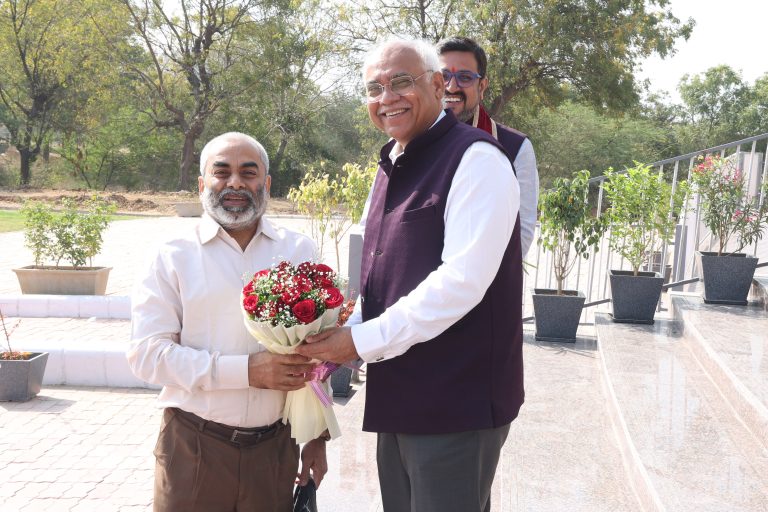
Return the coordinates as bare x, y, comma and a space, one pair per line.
369, 342
232, 372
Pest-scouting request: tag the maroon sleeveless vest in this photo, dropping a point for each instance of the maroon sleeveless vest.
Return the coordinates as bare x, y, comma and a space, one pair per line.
470, 377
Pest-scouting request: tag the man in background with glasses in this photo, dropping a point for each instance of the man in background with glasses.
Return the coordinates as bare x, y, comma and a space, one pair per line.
439, 314
464, 66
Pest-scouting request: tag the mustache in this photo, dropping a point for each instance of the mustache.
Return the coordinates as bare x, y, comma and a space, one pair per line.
243, 194
458, 94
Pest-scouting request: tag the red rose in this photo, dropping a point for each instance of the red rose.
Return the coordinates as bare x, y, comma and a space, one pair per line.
290, 296
304, 311
284, 265
323, 282
248, 288
334, 298
261, 273
306, 268
302, 284
322, 268
251, 303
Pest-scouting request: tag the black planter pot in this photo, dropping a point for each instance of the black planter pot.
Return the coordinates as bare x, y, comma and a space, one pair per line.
340, 380
21, 380
557, 316
635, 297
728, 278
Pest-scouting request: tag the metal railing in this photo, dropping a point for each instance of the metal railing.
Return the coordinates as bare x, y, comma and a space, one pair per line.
675, 259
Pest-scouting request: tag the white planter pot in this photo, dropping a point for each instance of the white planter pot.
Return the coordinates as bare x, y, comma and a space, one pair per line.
63, 280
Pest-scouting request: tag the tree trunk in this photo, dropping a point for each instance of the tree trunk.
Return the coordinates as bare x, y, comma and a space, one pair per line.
188, 155
275, 165
26, 161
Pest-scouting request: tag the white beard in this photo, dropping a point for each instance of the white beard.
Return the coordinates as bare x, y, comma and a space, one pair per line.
239, 217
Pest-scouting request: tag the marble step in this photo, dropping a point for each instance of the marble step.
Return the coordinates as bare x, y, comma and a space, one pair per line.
561, 453
685, 448
759, 290
731, 344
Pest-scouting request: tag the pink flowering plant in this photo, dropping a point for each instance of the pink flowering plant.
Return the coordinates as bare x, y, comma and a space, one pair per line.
728, 211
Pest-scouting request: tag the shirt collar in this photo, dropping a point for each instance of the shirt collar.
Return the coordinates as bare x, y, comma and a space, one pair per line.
398, 150
209, 229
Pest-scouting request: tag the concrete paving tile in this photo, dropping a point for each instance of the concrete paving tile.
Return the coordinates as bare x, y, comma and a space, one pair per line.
79, 490
8, 489
50, 505
92, 505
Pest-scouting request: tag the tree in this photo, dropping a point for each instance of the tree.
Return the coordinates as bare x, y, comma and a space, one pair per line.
539, 45
575, 135
48, 63
192, 53
713, 103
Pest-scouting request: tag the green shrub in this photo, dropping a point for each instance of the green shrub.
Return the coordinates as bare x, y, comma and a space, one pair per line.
69, 235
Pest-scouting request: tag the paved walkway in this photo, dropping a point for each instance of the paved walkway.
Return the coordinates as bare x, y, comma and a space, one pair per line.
77, 448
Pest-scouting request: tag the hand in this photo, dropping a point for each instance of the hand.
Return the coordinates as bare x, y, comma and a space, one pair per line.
313, 457
277, 371
333, 345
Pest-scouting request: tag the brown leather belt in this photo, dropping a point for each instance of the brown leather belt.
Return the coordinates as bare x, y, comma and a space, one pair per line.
242, 437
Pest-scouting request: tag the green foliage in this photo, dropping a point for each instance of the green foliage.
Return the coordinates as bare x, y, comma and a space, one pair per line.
727, 210
568, 229
333, 204
713, 103
575, 136
537, 46
642, 213
70, 235
51, 66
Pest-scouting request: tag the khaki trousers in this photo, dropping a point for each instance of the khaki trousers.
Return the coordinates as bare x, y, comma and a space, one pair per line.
195, 471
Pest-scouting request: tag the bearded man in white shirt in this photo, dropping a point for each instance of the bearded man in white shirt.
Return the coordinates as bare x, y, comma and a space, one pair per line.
222, 445
439, 316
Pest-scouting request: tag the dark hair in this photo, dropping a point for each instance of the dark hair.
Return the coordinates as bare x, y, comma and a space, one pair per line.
465, 44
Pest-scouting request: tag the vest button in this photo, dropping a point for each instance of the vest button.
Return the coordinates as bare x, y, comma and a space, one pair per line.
378, 252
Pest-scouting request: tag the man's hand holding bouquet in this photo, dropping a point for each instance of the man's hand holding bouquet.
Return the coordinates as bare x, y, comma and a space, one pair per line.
283, 305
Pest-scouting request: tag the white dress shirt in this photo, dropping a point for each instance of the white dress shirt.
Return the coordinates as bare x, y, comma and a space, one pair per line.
187, 327
480, 213
528, 178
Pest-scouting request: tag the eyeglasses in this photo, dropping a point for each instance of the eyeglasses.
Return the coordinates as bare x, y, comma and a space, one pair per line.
400, 85
464, 78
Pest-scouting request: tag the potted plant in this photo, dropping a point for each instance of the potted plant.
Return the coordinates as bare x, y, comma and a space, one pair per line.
642, 211
731, 216
568, 230
21, 373
69, 235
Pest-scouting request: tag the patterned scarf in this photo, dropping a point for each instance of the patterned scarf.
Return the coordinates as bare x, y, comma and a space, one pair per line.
482, 120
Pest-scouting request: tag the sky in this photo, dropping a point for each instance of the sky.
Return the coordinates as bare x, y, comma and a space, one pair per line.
733, 32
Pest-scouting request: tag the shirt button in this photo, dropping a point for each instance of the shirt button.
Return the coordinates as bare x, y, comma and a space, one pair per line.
378, 252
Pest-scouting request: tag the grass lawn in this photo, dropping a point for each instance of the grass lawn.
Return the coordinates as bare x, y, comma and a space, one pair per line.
12, 220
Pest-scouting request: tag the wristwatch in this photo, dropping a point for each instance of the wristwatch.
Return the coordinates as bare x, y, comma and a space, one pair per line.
325, 436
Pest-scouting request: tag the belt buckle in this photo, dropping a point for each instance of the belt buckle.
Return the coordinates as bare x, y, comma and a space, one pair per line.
236, 432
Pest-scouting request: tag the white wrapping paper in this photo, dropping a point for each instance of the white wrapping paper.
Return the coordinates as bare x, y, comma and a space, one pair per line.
307, 416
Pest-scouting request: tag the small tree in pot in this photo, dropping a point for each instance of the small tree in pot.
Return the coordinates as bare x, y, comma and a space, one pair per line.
71, 235
643, 213
731, 216
569, 231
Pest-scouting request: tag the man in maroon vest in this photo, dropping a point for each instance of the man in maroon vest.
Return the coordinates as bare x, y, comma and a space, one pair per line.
439, 315
464, 66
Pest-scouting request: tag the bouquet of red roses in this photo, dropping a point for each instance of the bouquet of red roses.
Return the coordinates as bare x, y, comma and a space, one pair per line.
283, 305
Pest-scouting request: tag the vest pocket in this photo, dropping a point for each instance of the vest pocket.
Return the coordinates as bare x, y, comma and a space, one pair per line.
425, 212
